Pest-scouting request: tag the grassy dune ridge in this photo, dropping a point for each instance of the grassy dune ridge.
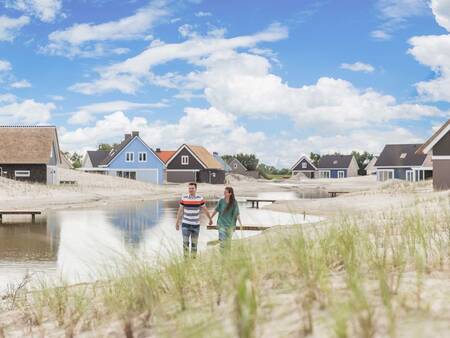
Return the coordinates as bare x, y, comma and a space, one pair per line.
360, 275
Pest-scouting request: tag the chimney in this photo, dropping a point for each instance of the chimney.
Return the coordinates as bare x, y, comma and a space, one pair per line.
158, 150
127, 136
216, 153
135, 133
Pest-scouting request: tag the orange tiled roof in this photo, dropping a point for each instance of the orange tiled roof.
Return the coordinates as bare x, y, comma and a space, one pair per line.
165, 155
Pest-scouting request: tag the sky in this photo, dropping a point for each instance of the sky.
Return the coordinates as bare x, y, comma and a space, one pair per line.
275, 78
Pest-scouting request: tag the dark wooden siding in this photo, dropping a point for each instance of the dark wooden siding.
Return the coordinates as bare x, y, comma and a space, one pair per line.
207, 176
181, 176
176, 162
38, 172
442, 148
441, 174
309, 167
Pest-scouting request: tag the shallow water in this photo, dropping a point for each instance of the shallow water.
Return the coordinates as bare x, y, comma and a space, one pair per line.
78, 244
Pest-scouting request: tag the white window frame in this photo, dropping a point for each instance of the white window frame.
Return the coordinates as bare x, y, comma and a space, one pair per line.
381, 173
185, 160
131, 155
22, 173
235, 166
409, 175
341, 174
141, 156
304, 165
325, 174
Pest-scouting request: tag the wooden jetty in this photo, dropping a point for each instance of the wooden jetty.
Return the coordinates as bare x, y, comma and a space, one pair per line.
244, 227
255, 202
335, 193
33, 214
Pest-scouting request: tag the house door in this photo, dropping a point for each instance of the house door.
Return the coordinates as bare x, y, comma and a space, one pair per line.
341, 174
52, 175
410, 175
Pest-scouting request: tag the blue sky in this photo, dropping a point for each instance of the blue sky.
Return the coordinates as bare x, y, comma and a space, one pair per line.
278, 78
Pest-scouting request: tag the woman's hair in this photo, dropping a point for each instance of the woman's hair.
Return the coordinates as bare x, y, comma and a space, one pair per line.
232, 201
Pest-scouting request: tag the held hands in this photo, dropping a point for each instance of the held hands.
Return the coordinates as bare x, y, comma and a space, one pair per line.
177, 226
211, 222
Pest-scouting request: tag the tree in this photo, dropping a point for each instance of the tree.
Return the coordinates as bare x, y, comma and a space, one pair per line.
315, 158
106, 146
250, 161
227, 158
76, 160
362, 158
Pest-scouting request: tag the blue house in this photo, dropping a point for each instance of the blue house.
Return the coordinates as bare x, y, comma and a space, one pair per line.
337, 166
135, 160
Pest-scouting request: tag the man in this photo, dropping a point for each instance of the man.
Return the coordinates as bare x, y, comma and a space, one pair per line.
189, 211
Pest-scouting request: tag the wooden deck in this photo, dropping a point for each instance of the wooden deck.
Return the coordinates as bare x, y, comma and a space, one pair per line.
335, 193
244, 227
33, 213
255, 202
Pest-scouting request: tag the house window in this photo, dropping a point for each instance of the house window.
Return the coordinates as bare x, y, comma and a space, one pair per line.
410, 175
143, 157
129, 157
341, 174
385, 175
325, 174
184, 160
403, 155
22, 173
335, 162
304, 165
235, 166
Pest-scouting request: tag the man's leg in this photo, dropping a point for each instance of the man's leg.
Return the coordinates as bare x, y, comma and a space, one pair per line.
185, 230
195, 231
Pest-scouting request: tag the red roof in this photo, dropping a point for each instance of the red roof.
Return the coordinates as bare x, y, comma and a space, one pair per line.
165, 155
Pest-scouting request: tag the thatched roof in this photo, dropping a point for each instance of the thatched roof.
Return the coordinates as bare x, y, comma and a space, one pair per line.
205, 156
27, 145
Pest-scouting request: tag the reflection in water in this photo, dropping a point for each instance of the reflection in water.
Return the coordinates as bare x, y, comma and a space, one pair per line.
80, 244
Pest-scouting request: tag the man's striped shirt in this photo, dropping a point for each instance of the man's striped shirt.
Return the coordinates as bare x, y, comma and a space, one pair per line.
192, 206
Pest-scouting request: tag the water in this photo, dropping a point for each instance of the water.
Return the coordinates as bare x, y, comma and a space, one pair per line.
77, 244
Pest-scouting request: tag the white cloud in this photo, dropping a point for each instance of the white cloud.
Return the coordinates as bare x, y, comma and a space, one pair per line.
5, 66
56, 97
128, 76
358, 67
79, 39
27, 111
45, 10
10, 27
187, 31
202, 14
7, 98
395, 13
216, 130
434, 51
86, 113
21, 84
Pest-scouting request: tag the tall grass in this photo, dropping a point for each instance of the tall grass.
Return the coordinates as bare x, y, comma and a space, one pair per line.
345, 277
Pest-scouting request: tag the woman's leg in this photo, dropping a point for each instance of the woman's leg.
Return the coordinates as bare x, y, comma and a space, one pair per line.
225, 234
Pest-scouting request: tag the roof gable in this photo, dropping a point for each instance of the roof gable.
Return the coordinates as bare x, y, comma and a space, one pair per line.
433, 140
304, 157
400, 155
123, 146
28, 145
203, 156
239, 163
96, 157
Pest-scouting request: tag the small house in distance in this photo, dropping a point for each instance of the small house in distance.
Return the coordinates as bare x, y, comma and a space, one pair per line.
30, 153
304, 166
92, 161
438, 146
370, 166
192, 163
400, 161
337, 166
237, 167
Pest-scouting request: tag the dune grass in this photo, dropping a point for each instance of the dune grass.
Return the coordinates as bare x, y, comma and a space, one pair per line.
353, 276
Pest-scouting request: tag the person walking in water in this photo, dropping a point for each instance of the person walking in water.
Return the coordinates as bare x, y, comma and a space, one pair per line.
189, 215
228, 210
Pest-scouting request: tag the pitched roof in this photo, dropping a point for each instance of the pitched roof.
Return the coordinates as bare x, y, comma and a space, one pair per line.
307, 159
335, 161
165, 155
117, 149
64, 160
426, 147
225, 165
30, 145
97, 156
204, 156
400, 155
239, 162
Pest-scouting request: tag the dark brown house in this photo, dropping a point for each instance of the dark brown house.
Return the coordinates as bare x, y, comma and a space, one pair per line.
30, 153
439, 148
192, 163
304, 166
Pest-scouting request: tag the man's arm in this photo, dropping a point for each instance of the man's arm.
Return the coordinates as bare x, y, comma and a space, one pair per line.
179, 213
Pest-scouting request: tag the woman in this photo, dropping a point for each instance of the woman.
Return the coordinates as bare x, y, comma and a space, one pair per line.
228, 211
